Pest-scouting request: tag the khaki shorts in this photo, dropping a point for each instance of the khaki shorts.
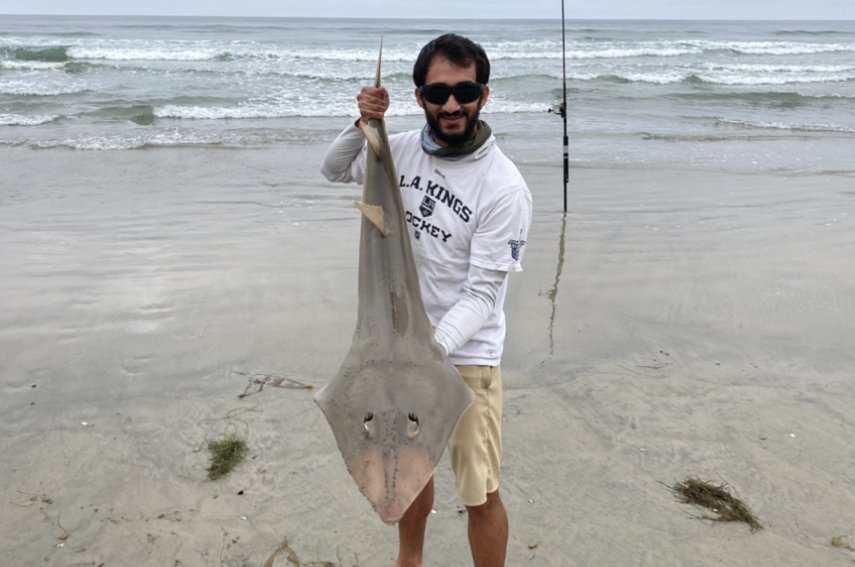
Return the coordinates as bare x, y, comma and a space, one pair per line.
476, 443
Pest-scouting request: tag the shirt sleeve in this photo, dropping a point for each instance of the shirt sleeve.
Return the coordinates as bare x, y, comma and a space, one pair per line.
500, 238
340, 162
468, 315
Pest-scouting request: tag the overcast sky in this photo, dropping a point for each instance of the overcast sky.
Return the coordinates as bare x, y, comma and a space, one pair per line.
654, 9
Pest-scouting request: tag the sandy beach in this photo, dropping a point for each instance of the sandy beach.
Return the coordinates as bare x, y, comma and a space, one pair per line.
676, 322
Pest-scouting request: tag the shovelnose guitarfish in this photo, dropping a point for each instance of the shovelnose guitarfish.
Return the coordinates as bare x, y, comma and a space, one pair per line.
396, 398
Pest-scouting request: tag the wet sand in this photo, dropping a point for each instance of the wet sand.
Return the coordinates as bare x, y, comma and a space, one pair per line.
676, 322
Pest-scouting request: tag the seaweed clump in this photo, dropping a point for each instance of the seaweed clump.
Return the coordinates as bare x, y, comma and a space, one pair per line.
726, 507
226, 454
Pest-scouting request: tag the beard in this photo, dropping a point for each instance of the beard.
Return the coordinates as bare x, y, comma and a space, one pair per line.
453, 138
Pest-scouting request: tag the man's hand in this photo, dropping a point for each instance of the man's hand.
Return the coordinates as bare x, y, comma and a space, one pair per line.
373, 102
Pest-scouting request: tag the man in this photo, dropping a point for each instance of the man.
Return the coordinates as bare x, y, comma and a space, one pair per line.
468, 210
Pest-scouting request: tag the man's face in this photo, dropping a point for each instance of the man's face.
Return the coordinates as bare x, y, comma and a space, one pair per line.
452, 123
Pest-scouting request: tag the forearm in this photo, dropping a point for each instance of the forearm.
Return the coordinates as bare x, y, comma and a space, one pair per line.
341, 153
468, 315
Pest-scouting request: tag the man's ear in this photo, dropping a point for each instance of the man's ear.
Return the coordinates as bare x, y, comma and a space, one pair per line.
484, 96
419, 99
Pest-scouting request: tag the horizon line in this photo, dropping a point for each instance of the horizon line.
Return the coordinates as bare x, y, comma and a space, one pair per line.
591, 18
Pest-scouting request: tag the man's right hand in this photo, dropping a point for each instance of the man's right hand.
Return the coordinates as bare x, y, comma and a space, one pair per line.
373, 102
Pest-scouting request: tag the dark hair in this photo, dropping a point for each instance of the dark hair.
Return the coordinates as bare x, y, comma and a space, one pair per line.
459, 50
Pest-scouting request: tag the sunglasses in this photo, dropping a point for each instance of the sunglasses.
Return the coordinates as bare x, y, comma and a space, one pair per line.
464, 93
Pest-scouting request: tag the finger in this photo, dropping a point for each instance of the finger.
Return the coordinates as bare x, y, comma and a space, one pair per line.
372, 99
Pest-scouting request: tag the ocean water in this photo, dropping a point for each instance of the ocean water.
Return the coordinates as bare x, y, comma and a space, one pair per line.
711, 93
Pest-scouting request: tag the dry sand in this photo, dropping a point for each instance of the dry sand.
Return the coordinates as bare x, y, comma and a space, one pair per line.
674, 323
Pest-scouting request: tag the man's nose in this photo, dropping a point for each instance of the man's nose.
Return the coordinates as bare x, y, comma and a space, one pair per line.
451, 104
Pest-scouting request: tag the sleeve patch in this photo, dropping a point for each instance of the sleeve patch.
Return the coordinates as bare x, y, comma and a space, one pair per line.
516, 247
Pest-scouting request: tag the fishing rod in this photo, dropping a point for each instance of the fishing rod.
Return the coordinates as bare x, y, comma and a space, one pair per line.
563, 108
